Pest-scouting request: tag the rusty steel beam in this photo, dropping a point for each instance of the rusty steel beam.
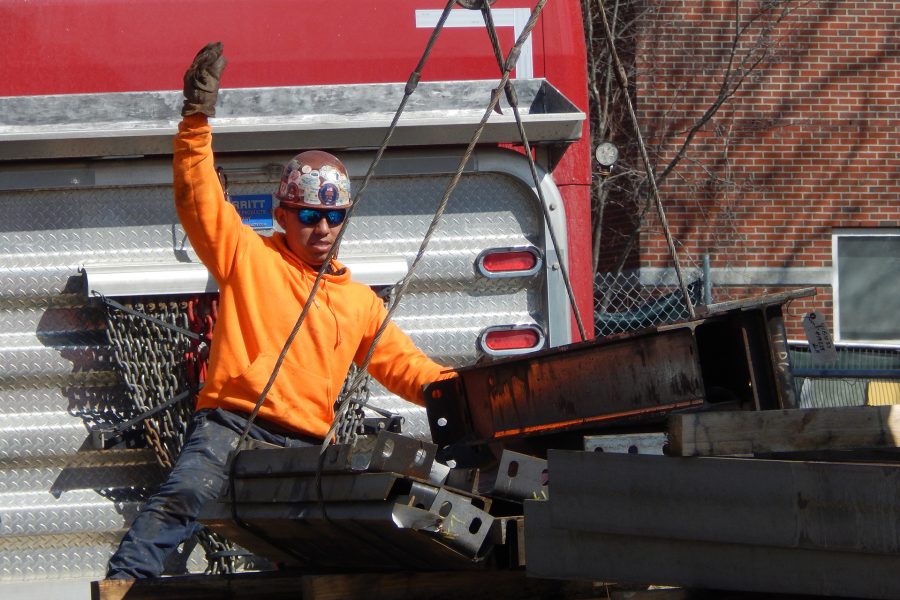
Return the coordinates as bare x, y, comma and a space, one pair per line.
734, 353
580, 385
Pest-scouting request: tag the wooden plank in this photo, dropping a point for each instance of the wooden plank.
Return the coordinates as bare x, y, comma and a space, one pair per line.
726, 433
585, 555
843, 507
248, 586
479, 585
476, 585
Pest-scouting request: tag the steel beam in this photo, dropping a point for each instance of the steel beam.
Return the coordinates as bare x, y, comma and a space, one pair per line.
574, 554
384, 451
841, 507
358, 487
578, 386
731, 353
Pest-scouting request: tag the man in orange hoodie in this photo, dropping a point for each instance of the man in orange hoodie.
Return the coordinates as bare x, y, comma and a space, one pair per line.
264, 282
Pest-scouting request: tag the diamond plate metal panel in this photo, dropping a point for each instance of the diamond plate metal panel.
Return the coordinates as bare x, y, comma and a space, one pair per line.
80, 397
40, 434
36, 364
87, 470
79, 511
56, 557
63, 557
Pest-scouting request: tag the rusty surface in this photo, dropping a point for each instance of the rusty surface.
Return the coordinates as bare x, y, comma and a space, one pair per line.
734, 354
579, 386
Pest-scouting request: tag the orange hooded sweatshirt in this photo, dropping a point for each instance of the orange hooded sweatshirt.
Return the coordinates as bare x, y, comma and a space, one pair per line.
263, 288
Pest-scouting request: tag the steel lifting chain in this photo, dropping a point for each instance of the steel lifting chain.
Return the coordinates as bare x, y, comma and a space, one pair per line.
350, 423
349, 408
161, 349
151, 358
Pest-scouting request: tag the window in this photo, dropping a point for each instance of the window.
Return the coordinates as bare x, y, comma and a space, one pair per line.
867, 285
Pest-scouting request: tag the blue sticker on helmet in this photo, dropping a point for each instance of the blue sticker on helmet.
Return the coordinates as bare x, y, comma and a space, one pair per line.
329, 194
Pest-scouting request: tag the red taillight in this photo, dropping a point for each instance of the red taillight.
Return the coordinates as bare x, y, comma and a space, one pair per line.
511, 339
503, 262
522, 261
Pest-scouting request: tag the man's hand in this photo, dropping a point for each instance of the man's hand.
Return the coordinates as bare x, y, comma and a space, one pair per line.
201, 81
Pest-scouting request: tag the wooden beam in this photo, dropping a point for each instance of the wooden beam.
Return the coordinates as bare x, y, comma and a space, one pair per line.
736, 433
472, 585
269, 585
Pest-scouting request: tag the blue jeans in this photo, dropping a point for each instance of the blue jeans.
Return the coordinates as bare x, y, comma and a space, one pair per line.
169, 517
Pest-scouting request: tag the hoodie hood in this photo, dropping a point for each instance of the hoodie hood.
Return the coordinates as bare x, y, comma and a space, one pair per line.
338, 273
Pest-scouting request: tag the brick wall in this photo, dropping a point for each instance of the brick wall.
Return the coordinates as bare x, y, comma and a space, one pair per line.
807, 145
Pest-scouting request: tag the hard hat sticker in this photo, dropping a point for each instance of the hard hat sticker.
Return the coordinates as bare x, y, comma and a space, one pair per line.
314, 178
329, 194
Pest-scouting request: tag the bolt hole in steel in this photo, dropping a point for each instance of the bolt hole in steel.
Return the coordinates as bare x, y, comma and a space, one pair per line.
442, 422
513, 469
545, 477
598, 449
475, 525
388, 448
419, 459
445, 509
632, 449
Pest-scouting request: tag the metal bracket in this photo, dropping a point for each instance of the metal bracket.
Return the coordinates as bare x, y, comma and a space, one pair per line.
521, 477
465, 526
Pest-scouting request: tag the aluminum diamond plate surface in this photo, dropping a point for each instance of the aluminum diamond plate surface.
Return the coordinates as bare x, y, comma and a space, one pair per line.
60, 518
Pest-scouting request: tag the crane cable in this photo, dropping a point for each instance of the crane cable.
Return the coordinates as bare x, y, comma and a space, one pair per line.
442, 205
410, 87
513, 100
506, 66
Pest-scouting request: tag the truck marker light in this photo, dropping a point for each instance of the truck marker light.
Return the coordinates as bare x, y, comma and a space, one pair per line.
502, 340
520, 261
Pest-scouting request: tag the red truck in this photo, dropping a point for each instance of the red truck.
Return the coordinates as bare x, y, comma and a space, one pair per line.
89, 97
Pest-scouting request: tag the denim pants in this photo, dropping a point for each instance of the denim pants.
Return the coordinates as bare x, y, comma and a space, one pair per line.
169, 517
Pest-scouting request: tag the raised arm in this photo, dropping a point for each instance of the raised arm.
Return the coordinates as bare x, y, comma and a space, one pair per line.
212, 224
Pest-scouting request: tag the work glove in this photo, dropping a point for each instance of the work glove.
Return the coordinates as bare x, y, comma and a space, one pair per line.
201, 81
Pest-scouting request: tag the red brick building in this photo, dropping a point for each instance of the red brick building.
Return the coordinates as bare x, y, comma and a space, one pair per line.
796, 180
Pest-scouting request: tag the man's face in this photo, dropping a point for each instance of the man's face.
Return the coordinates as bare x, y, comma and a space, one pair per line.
310, 243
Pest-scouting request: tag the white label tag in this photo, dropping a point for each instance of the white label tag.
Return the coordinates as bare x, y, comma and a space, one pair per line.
821, 344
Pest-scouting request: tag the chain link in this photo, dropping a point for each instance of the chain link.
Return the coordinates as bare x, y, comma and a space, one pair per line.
156, 364
350, 405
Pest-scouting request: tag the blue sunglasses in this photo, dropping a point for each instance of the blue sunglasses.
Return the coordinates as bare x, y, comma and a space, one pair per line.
312, 216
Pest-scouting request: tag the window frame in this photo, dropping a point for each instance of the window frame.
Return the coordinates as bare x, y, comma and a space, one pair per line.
836, 234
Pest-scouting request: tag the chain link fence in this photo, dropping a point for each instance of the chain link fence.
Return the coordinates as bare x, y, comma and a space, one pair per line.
862, 374
627, 302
